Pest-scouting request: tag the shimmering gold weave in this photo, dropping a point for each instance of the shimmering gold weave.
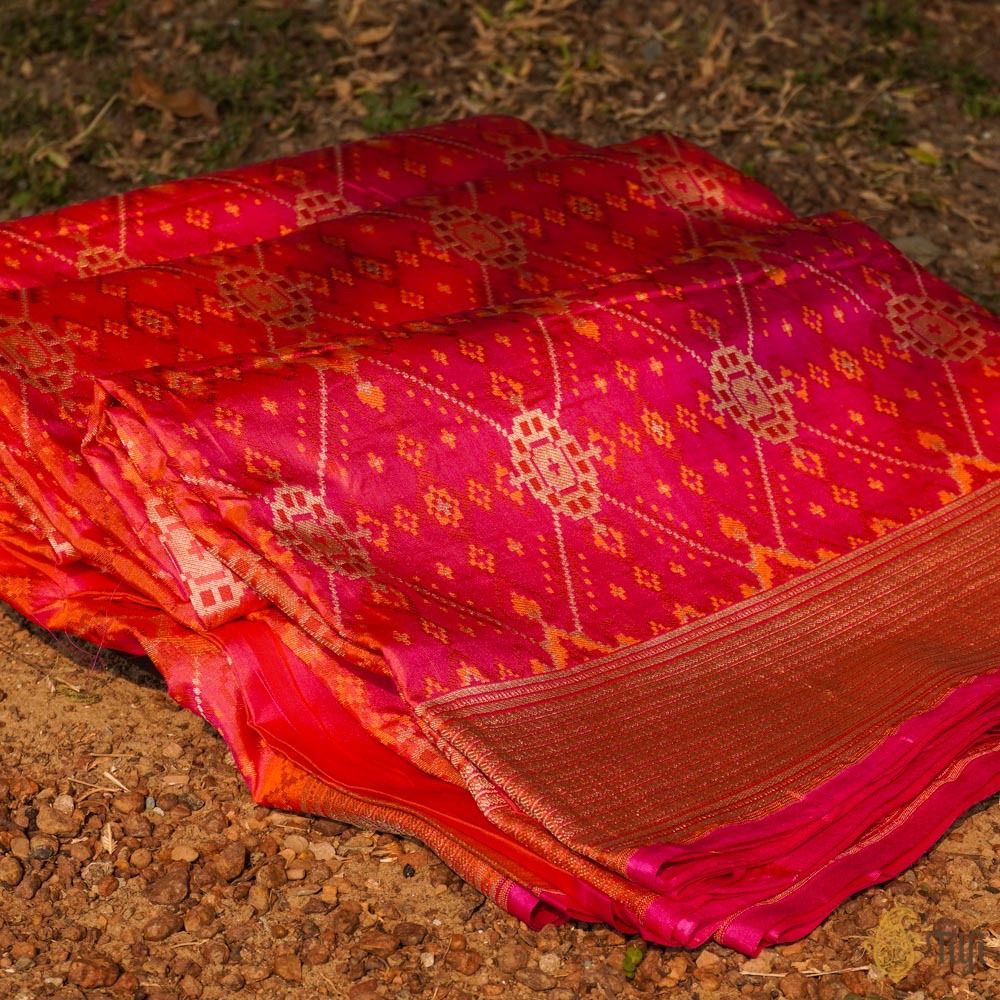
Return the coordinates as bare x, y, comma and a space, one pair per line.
768, 699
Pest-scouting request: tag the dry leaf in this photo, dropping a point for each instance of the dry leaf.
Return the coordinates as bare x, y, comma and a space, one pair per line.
352, 15
184, 103
143, 89
372, 36
57, 159
328, 32
983, 161
924, 152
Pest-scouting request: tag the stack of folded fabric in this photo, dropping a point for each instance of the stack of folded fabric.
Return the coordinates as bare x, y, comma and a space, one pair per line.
580, 511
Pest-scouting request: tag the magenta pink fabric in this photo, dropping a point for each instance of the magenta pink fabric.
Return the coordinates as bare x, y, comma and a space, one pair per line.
482, 485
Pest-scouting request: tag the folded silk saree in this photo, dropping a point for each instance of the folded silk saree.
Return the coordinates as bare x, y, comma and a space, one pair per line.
580, 511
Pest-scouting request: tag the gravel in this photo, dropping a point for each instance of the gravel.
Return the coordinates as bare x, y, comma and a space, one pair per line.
175, 890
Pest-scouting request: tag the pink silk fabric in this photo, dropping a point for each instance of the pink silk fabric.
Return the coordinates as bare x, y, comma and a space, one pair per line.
430, 469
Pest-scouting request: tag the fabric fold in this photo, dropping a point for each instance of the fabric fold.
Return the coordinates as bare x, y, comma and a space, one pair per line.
581, 512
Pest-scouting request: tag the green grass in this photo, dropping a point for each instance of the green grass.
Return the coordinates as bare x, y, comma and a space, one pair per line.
888, 19
250, 67
918, 58
904, 51
508, 11
811, 76
260, 77
27, 109
977, 93
885, 128
224, 149
237, 32
256, 88
390, 111
32, 185
31, 29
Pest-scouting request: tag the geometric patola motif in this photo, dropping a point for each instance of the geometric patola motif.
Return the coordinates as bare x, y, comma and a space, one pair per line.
751, 396
939, 330
554, 466
304, 523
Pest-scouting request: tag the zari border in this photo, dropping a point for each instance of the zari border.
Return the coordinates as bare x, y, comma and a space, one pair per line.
734, 716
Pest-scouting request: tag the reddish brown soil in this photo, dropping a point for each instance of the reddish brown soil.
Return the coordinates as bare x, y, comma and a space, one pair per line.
132, 861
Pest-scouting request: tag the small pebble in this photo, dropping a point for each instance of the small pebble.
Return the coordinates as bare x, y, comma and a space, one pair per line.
93, 972
271, 876
198, 918
58, 822
11, 871
171, 888
466, 963
80, 851
28, 886
795, 986
129, 802
346, 917
190, 987
534, 980
259, 898
289, 967
106, 886
409, 933
315, 953
215, 952
43, 846
296, 843
512, 956
230, 862
378, 943
256, 973
161, 926
549, 963
709, 962
140, 858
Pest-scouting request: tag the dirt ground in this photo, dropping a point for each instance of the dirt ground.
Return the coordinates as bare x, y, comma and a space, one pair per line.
132, 861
